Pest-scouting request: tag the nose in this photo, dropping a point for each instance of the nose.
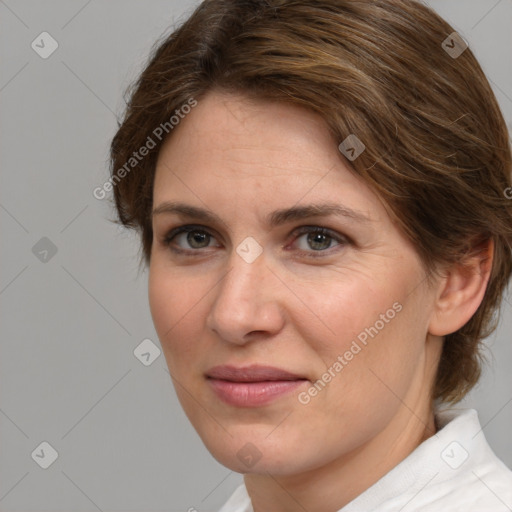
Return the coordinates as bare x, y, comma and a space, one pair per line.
247, 302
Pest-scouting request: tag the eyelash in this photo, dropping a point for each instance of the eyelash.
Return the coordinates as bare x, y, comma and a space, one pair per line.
303, 230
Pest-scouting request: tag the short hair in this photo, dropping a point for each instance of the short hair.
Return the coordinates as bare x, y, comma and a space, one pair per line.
391, 72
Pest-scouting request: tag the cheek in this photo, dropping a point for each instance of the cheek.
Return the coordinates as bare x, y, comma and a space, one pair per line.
175, 303
343, 312
371, 327
162, 301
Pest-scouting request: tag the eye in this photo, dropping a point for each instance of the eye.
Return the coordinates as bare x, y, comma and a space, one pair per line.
318, 239
189, 239
314, 241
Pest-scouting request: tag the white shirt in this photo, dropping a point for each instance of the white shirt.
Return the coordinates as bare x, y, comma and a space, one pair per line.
454, 470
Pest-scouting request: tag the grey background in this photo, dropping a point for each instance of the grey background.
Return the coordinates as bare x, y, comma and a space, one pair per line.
69, 325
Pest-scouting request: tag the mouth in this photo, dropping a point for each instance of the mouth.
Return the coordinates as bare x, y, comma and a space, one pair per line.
252, 386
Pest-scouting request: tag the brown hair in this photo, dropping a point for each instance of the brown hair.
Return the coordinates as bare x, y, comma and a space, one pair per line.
437, 148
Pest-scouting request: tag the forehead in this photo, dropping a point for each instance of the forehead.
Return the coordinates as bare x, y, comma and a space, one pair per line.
255, 133
251, 153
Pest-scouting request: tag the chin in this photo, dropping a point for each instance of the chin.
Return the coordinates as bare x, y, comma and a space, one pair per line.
257, 452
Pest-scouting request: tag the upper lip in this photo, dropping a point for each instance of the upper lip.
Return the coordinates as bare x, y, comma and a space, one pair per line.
253, 373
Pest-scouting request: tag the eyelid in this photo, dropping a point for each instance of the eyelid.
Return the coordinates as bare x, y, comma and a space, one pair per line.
313, 228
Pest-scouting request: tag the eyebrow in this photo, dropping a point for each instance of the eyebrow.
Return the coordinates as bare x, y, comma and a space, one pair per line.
273, 219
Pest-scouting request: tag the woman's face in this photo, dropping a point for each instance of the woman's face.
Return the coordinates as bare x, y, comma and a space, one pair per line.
264, 287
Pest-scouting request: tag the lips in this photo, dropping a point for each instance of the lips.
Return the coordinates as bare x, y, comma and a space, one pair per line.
252, 386
254, 373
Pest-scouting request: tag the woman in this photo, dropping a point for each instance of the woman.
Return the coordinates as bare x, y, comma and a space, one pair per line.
320, 192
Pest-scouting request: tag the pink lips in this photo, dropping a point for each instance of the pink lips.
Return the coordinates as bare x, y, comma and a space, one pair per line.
251, 386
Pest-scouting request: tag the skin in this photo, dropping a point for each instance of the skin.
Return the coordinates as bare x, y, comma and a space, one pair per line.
243, 159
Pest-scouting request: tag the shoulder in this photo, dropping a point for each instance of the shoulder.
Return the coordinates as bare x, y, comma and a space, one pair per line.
483, 487
470, 476
453, 470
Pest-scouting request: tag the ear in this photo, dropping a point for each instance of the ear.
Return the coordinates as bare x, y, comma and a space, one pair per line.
461, 290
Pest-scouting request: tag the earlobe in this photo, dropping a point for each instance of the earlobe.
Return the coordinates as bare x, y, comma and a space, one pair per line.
461, 290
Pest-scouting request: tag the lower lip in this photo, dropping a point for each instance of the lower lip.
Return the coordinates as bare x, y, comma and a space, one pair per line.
252, 394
